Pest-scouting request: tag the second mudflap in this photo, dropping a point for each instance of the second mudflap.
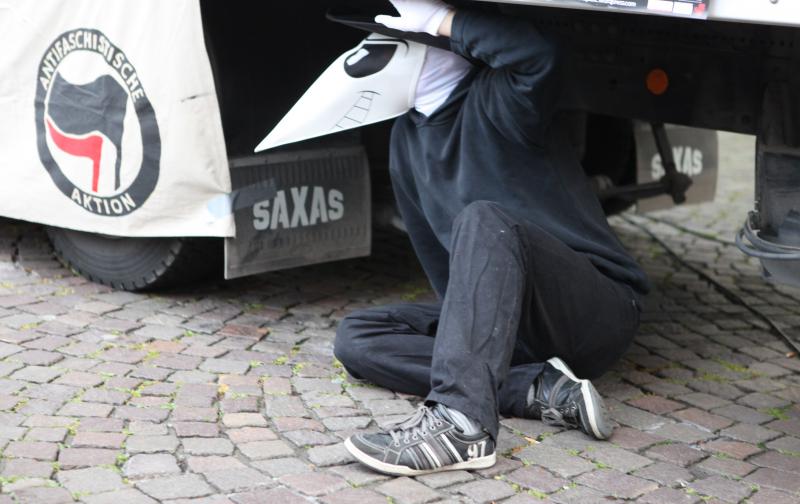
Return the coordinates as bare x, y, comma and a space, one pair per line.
696, 154
298, 208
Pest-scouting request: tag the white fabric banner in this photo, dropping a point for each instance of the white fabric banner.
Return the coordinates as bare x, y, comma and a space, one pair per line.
109, 120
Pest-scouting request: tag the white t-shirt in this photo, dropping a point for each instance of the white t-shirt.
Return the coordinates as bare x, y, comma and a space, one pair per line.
441, 73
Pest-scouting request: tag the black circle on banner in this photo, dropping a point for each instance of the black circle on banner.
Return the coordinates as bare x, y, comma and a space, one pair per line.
128, 199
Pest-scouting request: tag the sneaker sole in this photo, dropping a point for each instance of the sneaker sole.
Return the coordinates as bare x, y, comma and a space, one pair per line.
399, 470
595, 410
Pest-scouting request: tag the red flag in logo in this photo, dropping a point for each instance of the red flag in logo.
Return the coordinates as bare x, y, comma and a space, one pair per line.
89, 147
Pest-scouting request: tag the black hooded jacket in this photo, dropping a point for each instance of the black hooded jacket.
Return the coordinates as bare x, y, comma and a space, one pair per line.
492, 140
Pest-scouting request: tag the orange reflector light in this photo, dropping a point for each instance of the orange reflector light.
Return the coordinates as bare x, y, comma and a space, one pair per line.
657, 81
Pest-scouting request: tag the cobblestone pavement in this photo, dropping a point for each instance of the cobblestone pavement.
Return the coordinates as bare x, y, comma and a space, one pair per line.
229, 393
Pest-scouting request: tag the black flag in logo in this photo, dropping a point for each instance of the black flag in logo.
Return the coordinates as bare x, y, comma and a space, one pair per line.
79, 110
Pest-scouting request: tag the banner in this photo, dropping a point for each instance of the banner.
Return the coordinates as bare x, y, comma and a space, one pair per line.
109, 120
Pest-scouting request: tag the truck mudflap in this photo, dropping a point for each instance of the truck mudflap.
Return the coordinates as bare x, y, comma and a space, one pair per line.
298, 208
696, 154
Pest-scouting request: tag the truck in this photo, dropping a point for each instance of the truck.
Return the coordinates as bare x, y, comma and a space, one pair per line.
127, 129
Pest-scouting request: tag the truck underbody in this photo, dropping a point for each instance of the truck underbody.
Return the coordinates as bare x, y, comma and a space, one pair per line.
720, 75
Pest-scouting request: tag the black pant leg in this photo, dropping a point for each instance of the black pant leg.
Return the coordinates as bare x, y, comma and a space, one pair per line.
481, 310
390, 346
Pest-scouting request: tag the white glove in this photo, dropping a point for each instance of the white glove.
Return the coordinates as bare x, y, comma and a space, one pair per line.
420, 16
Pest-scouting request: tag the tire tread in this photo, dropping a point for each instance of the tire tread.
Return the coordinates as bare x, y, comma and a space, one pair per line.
186, 260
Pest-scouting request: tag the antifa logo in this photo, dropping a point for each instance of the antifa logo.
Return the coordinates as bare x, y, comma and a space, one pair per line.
89, 100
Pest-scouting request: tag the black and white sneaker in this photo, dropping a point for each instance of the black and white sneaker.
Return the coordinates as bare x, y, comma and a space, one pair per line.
428, 442
558, 397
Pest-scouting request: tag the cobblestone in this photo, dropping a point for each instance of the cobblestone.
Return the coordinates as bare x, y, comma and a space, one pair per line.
151, 444
261, 496
260, 450
127, 496
234, 420
314, 483
207, 446
665, 474
408, 491
283, 466
90, 481
176, 487
722, 488
54, 435
324, 456
730, 468
98, 440
148, 466
749, 433
772, 478
702, 419
42, 495
486, 490
580, 494
213, 463
238, 480
32, 449
682, 433
36, 374
354, 496
676, 453
561, 462
735, 449
74, 458
669, 496
618, 459
196, 429
24, 468
617, 484
768, 496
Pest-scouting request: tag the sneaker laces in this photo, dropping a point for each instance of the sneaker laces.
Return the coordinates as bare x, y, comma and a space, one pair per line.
554, 417
418, 425
564, 416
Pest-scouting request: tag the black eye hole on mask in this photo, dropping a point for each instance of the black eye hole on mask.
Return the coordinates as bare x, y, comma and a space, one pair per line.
377, 58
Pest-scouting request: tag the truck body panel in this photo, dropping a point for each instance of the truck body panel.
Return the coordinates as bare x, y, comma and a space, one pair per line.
770, 12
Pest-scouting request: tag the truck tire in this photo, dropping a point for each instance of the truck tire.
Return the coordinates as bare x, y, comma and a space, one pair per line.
137, 264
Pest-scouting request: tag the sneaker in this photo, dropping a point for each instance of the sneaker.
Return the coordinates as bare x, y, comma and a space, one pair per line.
558, 397
428, 442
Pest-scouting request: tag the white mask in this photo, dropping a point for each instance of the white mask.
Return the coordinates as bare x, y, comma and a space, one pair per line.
441, 74
374, 82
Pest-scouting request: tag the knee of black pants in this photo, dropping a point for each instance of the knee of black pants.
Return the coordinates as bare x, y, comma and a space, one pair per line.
485, 222
480, 211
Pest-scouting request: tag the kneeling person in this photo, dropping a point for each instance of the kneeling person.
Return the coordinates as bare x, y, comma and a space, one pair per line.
530, 276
